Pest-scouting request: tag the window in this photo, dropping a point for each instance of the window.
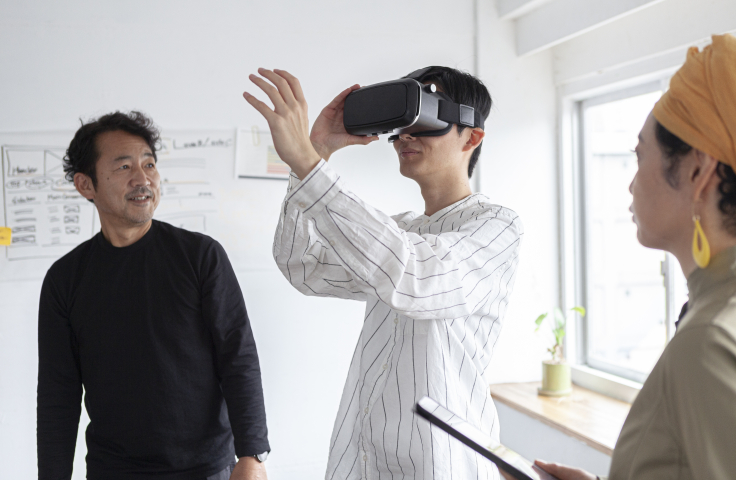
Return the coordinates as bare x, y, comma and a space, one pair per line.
633, 294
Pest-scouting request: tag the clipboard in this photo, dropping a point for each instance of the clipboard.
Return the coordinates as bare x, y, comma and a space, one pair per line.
505, 459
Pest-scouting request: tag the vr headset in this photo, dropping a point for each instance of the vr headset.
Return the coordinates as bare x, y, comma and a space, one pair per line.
405, 106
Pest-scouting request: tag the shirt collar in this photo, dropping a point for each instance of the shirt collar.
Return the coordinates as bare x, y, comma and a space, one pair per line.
442, 213
722, 268
143, 241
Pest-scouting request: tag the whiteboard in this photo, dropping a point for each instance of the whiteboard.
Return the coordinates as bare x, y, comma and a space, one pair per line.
199, 192
45, 213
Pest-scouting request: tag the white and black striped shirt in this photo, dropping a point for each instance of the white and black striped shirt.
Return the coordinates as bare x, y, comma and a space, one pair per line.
436, 290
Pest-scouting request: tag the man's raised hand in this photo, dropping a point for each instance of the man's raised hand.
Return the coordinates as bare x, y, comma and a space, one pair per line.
288, 121
328, 132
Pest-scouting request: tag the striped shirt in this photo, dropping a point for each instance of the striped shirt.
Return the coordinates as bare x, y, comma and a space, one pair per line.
436, 289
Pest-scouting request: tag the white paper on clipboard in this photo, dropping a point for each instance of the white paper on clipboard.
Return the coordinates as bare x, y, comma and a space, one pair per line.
256, 156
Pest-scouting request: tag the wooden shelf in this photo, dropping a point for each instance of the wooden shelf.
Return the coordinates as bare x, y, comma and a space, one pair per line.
585, 415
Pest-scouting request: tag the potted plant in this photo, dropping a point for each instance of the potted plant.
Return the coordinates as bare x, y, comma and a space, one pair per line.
556, 379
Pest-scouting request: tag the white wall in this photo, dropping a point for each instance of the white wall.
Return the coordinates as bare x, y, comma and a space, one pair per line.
518, 170
186, 64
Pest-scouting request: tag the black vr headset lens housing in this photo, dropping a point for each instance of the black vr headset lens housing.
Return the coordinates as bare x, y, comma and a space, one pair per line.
404, 106
382, 107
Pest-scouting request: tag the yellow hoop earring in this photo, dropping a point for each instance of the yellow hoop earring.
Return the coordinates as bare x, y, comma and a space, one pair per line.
701, 247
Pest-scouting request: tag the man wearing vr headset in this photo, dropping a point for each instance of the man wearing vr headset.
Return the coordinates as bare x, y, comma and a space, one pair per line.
436, 284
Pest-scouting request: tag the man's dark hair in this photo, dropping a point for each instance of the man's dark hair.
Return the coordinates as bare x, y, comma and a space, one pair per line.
82, 154
462, 88
674, 148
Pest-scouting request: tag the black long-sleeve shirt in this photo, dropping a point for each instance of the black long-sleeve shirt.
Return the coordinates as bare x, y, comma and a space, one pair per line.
158, 334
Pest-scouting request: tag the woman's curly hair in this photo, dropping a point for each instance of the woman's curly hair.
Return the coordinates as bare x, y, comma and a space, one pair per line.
674, 149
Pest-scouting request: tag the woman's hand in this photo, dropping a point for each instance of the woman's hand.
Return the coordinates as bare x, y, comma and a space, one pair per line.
328, 132
564, 472
288, 121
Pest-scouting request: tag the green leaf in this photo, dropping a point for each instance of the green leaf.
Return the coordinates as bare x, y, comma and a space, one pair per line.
580, 310
539, 321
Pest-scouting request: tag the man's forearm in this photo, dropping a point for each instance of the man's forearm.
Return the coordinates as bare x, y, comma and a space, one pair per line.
244, 397
236, 355
56, 443
59, 388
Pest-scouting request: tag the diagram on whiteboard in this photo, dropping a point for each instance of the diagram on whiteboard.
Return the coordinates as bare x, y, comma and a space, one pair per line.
187, 196
46, 215
257, 157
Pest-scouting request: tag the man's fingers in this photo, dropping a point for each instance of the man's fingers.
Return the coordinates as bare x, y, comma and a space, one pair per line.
270, 90
359, 140
296, 87
281, 84
340, 98
365, 140
262, 108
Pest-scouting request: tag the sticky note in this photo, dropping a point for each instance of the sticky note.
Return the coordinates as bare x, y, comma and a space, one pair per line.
5, 234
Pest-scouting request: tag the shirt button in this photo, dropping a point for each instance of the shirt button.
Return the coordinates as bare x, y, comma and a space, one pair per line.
366, 410
396, 320
365, 458
385, 366
332, 243
302, 204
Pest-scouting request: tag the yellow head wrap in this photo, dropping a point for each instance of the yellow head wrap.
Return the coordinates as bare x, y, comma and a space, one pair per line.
700, 106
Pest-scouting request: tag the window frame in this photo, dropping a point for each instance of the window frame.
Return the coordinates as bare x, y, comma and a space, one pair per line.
617, 382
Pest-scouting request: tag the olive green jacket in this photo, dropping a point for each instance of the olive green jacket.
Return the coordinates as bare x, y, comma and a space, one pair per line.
683, 422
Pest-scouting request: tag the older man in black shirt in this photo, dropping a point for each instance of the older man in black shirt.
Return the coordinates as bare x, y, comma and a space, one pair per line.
150, 319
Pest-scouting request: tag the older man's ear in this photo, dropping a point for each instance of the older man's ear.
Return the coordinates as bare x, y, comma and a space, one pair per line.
84, 186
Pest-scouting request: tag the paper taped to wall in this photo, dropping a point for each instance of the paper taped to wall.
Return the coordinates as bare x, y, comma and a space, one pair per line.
43, 210
47, 217
257, 157
184, 161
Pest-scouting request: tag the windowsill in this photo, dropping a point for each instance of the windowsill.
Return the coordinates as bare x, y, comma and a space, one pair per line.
605, 383
590, 417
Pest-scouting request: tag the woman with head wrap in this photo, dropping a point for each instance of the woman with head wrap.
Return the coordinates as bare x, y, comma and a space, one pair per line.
683, 422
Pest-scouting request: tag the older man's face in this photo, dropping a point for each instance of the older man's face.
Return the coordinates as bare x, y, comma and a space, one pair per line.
128, 182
